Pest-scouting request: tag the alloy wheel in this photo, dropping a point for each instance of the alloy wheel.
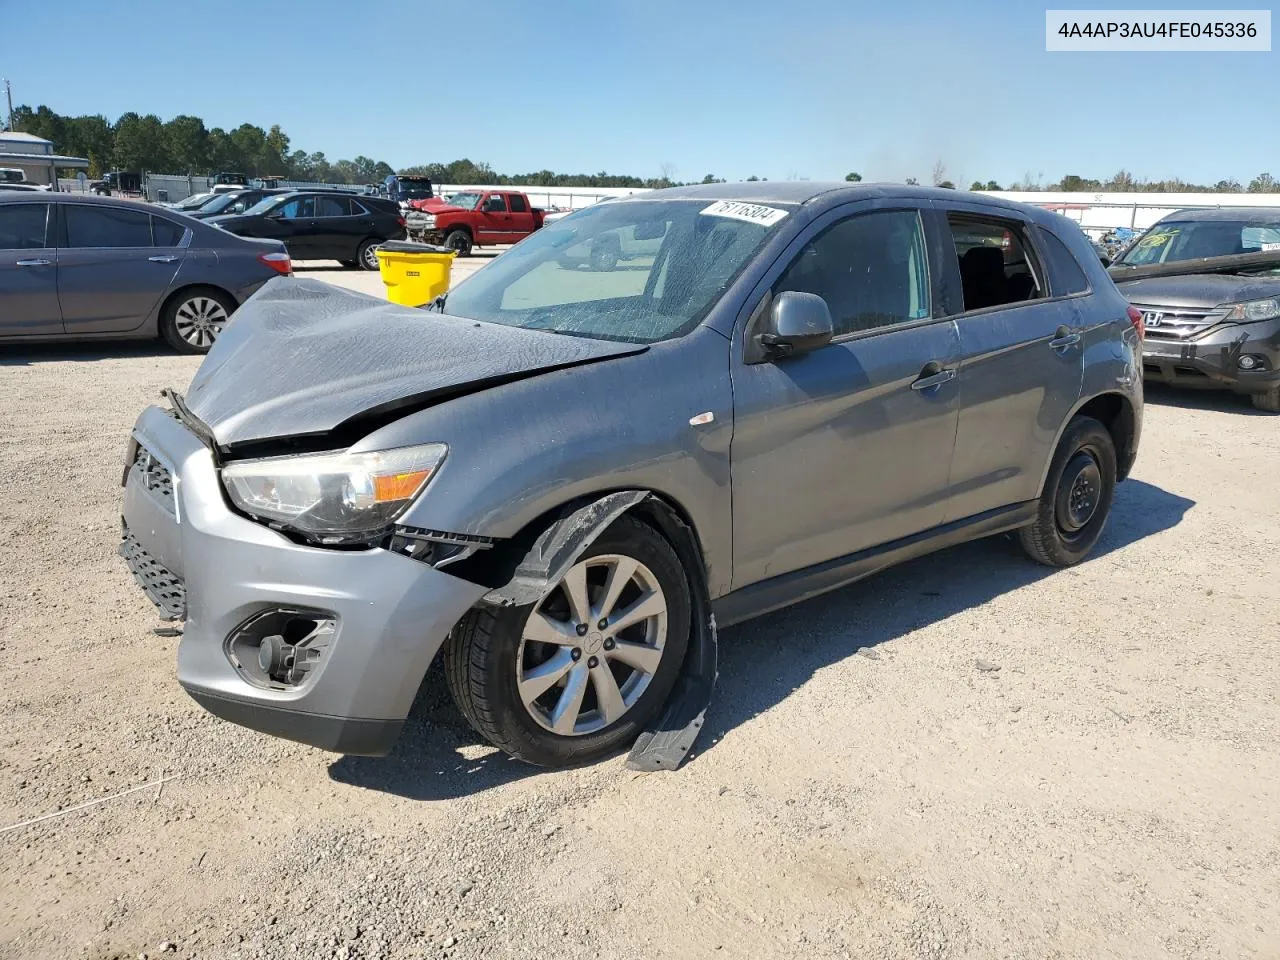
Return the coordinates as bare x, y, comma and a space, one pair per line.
591, 647
371, 256
200, 320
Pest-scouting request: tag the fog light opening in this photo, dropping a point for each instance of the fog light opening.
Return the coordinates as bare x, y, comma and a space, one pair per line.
1252, 361
280, 648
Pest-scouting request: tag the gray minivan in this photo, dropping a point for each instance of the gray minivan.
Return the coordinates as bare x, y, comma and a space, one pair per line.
567, 477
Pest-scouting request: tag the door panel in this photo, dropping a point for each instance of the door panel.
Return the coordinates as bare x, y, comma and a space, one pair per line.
110, 278
834, 451
334, 231
1020, 373
493, 226
28, 272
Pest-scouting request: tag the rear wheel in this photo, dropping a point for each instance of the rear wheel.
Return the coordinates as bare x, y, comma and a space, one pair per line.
194, 319
1269, 401
459, 241
1077, 496
367, 257
579, 674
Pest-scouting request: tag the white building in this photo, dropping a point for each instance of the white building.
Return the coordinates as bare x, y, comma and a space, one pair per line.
34, 156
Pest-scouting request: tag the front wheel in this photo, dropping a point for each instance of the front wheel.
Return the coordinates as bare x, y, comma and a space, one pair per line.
367, 257
1077, 496
579, 674
459, 241
195, 318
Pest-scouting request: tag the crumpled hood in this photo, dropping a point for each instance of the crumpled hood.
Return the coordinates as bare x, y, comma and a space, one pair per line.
303, 357
1201, 291
435, 205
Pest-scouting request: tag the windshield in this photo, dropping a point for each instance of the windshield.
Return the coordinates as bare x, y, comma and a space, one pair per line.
467, 201
219, 202
196, 200
415, 189
1175, 240
638, 272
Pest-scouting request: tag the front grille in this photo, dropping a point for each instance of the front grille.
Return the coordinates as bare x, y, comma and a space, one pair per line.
164, 589
1172, 323
155, 477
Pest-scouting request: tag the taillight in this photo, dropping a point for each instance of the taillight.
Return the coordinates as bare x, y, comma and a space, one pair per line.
402, 221
277, 261
1135, 317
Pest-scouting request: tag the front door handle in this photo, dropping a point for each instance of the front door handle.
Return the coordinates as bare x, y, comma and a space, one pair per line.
163, 259
933, 375
33, 263
1063, 337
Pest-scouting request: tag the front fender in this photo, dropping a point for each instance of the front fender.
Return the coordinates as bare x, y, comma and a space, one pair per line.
520, 451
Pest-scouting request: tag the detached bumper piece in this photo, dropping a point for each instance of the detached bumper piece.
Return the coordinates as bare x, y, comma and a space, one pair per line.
162, 587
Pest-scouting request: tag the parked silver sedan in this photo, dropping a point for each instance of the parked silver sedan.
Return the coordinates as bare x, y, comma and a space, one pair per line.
97, 268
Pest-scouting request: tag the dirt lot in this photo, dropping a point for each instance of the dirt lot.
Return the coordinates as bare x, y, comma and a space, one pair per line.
965, 757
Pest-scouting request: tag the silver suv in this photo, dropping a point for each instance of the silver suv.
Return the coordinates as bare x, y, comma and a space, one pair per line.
568, 471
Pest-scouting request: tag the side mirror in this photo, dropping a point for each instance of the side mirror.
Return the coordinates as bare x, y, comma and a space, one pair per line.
796, 323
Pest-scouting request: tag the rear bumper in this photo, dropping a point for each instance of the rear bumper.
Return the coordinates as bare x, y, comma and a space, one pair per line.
1211, 360
388, 614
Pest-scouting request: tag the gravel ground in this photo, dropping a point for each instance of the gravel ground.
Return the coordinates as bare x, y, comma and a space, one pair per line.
967, 756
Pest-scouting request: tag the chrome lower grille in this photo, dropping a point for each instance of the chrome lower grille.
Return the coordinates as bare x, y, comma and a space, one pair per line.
155, 477
1173, 323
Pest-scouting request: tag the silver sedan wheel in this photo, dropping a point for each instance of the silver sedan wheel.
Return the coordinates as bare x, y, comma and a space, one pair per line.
371, 256
200, 320
591, 647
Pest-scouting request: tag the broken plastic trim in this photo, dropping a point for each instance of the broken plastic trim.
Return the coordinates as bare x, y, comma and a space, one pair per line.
667, 741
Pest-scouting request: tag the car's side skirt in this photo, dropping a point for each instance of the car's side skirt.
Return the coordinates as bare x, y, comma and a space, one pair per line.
788, 588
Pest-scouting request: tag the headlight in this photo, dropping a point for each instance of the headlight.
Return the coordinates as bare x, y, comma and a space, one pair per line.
333, 496
1253, 310
429, 221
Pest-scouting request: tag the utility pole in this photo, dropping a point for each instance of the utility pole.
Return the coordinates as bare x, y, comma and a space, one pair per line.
8, 93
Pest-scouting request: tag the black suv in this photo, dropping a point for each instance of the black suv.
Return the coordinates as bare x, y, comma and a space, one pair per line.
321, 226
1218, 329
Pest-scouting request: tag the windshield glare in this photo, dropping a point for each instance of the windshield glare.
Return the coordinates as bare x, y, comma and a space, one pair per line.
196, 200
639, 272
467, 201
1192, 239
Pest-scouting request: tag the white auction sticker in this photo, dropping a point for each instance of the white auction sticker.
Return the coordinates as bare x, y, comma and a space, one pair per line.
750, 212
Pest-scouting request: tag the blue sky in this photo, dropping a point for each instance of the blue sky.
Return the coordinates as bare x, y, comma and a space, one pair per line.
810, 88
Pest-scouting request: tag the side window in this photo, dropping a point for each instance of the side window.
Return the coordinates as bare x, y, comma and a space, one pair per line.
1065, 273
332, 207
299, 208
995, 267
94, 226
358, 209
166, 233
495, 204
871, 270
518, 204
22, 226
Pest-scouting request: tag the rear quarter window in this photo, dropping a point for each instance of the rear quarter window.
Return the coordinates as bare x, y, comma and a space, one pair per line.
1066, 276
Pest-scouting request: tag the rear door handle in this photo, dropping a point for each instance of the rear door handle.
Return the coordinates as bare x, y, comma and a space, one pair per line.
932, 376
33, 263
1063, 338
163, 259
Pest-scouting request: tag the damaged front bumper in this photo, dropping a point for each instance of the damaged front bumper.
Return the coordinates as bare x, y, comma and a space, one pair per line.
238, 583
1243, 357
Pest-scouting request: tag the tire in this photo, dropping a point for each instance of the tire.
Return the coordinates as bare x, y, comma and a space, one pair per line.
1077, 496
1269, 401
367, 256
487, 653
604, 258
460, 241
193, 318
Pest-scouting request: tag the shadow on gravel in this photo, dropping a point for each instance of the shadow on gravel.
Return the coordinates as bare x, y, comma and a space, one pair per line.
26, 355
425, 763
1223, 401
764, 660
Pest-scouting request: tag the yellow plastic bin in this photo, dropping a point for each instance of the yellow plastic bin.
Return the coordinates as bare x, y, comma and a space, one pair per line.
414, 273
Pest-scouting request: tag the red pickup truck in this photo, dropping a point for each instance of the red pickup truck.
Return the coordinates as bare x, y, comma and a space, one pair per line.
473, 218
